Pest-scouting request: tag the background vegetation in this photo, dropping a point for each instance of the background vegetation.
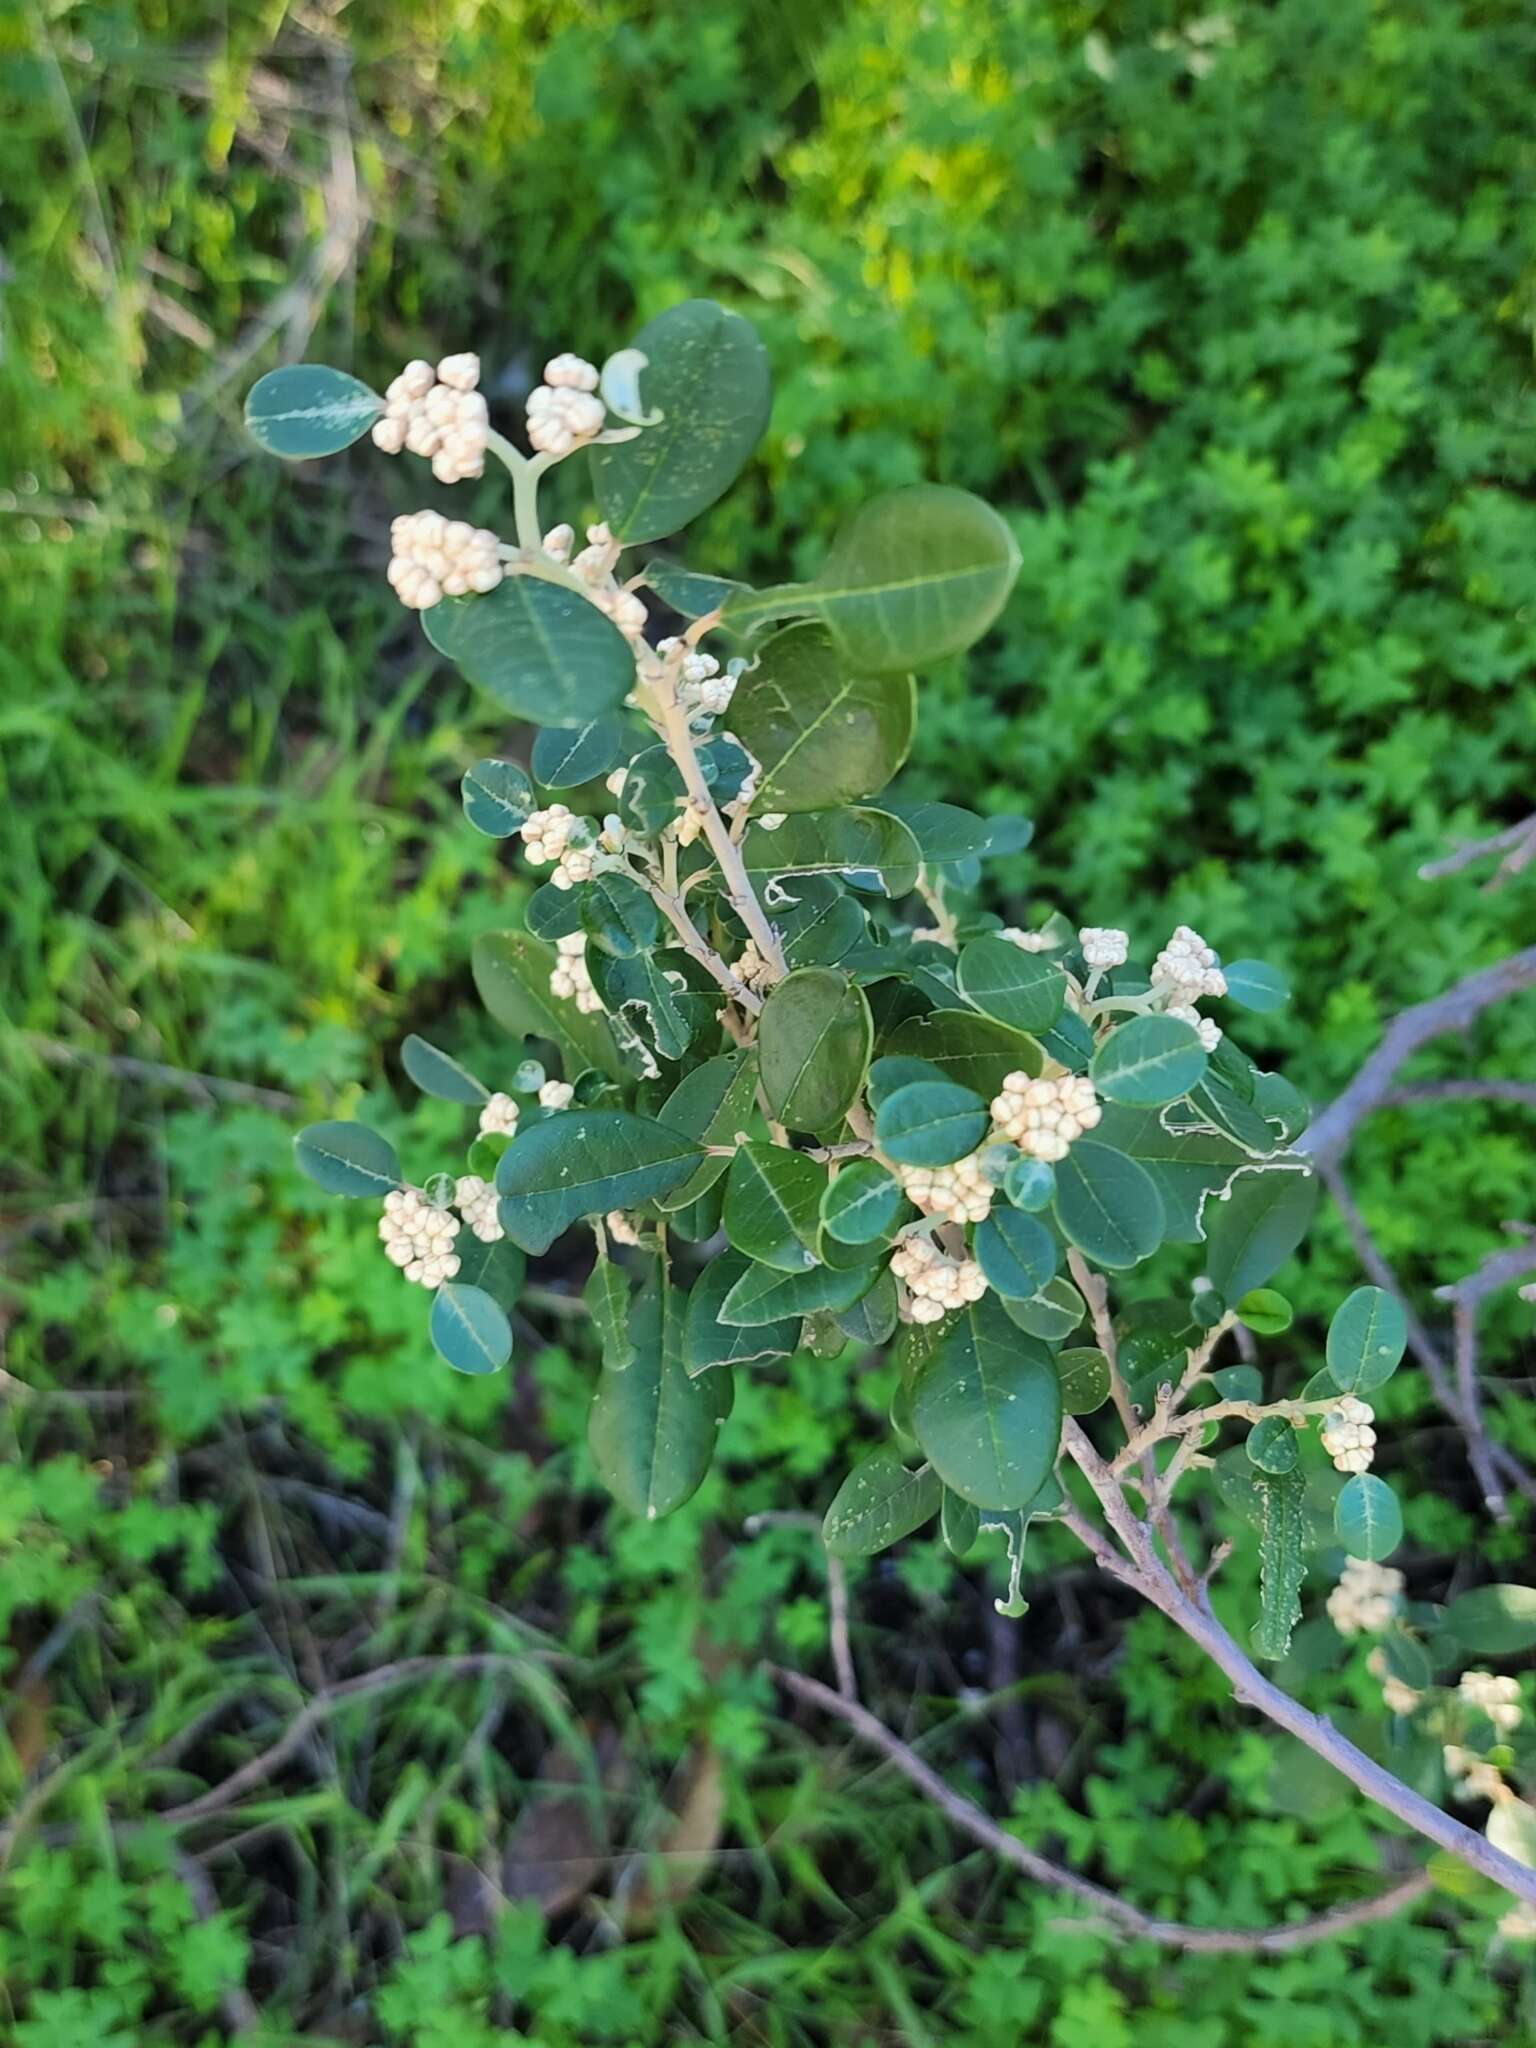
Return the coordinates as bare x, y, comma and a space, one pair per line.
1233, 315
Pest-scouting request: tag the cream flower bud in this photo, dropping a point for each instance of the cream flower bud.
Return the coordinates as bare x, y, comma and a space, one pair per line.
1347, 1435
477, 1203
1044, 1118
556, 1095
1103, 946
571, 373
498, 1117
1367, 1599
418, 1237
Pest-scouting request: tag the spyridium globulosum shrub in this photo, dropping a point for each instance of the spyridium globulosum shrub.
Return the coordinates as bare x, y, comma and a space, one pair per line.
802, 1092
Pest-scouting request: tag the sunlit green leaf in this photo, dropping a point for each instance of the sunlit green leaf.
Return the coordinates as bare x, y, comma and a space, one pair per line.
347, 1159
813, 1045
1366, 1340
582, 1163
877, 1504
652, 1429
773, 1206
540, 650
469, 1329
987, 1410
308, 409
823, 734
1023, 990
1148, 1061
498, 798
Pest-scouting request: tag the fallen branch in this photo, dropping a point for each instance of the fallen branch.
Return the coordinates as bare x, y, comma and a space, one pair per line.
971, 1820
1517, 843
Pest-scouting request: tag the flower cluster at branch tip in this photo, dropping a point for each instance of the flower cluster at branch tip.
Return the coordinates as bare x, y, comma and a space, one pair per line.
569, 979
619, 1227
1103, 946
594, 566
498, 1118
935, 1283
564, 411
702, 690
1397, 1696
1188, 968
1043, 1118
418, 1237
1206, 1028
1347, 1435
476, 1200
438, 414
960, 1193
1498, 1699
556, 1095
557, 835
1367, 1598
1027, 942
750, 967
432, 558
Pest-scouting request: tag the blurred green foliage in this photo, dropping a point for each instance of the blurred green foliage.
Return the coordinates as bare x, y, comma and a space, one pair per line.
1233, 314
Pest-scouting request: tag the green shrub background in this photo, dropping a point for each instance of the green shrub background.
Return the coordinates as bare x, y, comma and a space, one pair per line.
1232, 315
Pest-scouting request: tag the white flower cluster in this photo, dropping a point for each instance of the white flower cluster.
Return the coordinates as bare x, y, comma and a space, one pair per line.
556, 1094
1044, 1117
432, 557
1366, 1600
437, 413
751, 967
936, 1283
476, 1200
1397, 1696
1187, 968
1497, 1698
556, 835
418, 1237
619, 1227
702, 690
960, 1193
1103, 946
498, 1118
1027, 942
569, 979
1470, 1776
594, 565
1206, 1028
564, 410
1347, 1435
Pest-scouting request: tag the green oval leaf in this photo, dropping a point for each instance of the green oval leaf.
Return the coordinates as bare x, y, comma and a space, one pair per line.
553, 913
1108, 1205
877, 1504
708, 1342
618, 917
1254, 1228
912, 577
498, 798
1366, 1340
689, 591
1055, 1312
763, 1294
975, 1051
1085, 1379
540, 650
1265, 1312
1256, 985
822, 734
564, 757
584, 1162
1017, 1254
436, 1074
1495, 1621
1367, 1518
814, 1038
651, 1429
861, 1206
707, 375
712, 1104
469, 1329
511, 971
307, 409
773, 1206
873, 1319
987, 1410
606, 1296
347, 1159
849, 842
930, 1123
1273, 1446
1023, 990
1148, 1061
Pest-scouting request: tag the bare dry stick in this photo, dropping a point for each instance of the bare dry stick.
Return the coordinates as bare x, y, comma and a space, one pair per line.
1493, 1090
1327, 1140
970, 1819
1517, 843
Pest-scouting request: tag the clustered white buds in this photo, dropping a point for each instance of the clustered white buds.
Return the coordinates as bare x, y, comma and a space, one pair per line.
558, 543
1027, 942
1103, 946
438, 414
569, 979
498, 1118
1347, 1435
556, 1095
1367, 1598
418, 1237
960, 1193
565, 410
1496, 1698
557, 835
750, 966
432, 557
1470, 1776
1187, 969
619, 1227
935, 1283
1397, 1696
476, 1200
1206, 1029
1043, 1118
701, 689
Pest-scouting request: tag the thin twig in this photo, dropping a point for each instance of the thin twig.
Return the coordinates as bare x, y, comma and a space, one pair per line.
1517, 843
204, 1087
1327, 1140
971, 1820
1494, 1090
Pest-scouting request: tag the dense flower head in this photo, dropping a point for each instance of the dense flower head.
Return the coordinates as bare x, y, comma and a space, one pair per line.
1187, 968
1347, 1435
1043, 1118
556, 1095
1206, 1028
565, 410
569, 979
1496, 1698
432, 558
498, 1117
439, 415
1027, 942
1367, 1599
620, 1228
935, 1283
1397, 1696
960, 1193
1104, 946
476, 1202
418, 1237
